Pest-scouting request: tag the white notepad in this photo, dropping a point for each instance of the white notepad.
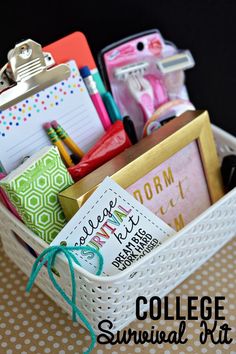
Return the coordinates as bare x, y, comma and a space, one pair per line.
68, 102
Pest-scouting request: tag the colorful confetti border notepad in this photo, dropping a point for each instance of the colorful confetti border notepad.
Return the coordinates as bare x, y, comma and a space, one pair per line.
68, 102
33, 189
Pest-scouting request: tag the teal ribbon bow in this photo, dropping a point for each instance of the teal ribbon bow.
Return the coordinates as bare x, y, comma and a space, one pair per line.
49, 256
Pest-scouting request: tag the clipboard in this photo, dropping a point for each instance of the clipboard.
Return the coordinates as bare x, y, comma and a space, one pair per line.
35, 92
27, 72
75, 46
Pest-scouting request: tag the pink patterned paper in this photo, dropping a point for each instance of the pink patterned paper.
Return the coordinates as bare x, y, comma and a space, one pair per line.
176, 190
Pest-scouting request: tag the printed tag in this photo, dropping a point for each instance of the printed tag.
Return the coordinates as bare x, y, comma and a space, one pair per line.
115, 224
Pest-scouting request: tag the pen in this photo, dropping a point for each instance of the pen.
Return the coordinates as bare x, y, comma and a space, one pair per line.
57, 142
130, 129
95, 96
75, 158
111, 107
63, 135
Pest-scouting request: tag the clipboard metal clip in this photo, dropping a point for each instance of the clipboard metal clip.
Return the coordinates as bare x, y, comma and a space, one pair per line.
27, 72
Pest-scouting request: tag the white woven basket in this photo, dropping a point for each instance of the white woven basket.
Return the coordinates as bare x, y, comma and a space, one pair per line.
157, 273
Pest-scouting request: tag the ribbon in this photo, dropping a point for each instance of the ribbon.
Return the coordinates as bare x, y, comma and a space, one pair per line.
48, 256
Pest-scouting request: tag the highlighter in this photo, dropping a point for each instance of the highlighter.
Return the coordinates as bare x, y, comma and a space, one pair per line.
111, 107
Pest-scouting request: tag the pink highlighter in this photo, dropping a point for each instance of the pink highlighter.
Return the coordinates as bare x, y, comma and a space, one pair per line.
95, 96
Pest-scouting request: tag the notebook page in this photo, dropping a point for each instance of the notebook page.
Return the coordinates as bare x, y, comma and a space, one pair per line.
68, 102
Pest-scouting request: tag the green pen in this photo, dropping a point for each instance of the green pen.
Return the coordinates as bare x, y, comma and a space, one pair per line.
111, 107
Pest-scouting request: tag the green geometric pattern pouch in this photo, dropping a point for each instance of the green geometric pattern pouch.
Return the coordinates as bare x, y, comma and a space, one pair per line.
33, 189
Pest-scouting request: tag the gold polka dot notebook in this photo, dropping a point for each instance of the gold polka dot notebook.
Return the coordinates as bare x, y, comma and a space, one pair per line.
68, 102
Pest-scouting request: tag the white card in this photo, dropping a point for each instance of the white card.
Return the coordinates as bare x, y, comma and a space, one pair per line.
115, 224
